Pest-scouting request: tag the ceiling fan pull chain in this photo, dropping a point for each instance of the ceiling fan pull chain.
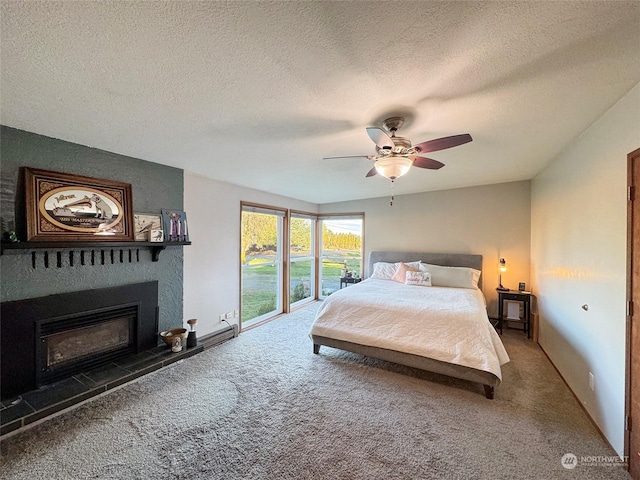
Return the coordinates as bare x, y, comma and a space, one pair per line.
391, 202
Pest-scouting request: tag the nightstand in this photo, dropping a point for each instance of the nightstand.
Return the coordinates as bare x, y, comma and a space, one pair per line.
344, 281
515, 296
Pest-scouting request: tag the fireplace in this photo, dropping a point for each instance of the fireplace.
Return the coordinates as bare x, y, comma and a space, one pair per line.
68, 345
46, 339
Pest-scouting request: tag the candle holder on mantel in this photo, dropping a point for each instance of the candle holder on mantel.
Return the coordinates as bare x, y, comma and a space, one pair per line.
192, 340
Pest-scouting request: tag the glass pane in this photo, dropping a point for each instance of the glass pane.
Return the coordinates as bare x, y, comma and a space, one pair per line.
78, 343
261, 266
341, 252
301, 280
301, 257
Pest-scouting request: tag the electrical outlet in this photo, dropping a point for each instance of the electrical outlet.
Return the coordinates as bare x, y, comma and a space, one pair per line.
228, 315
221, 318
591, 381
235, 314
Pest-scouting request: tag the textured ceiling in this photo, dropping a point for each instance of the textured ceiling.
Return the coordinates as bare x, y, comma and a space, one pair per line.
257, 93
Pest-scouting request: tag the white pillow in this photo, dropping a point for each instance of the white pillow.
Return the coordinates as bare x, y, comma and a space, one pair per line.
415, 264
386, 271
383, 270
422, 279
460, 277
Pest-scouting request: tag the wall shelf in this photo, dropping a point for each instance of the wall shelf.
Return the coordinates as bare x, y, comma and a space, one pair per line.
24, 247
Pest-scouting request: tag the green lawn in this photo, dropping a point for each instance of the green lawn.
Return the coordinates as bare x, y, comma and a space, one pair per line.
259, 282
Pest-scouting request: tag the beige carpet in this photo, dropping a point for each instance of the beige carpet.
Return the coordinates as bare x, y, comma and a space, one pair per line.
263, 406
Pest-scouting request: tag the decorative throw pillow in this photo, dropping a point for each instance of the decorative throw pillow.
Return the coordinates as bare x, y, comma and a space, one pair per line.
386, 270
460, 277
401, 274
422, 279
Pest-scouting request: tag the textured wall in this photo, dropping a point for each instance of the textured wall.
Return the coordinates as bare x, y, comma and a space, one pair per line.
154, 187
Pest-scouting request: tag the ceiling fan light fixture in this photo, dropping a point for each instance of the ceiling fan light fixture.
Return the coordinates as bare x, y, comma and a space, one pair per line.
393, 167
396, 155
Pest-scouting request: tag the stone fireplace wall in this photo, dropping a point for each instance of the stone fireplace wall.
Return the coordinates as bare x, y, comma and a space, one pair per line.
154, 187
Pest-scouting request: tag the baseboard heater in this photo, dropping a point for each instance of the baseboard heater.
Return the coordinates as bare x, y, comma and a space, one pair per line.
218, 337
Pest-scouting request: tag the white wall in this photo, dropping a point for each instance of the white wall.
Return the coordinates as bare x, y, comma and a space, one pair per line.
491, 220
578, 251
212, 262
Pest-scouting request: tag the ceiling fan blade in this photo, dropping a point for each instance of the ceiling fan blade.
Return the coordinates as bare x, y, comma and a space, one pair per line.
443, 143
371, 172
366, 157
380, 137
424, 162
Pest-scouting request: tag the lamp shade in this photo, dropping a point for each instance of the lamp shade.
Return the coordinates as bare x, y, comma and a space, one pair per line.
393, 166
502, 265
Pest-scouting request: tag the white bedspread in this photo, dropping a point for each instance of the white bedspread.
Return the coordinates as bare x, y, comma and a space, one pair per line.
443, 323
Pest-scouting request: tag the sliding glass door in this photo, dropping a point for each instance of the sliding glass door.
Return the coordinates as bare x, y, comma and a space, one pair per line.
262, 263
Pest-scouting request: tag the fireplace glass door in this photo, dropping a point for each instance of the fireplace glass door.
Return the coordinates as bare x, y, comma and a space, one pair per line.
77, 344
69, 345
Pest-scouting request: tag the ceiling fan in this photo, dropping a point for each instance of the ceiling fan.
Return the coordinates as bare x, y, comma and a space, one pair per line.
395, 155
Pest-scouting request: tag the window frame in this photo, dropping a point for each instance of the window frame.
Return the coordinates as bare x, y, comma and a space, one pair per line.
341, 216
282, 297
284, 254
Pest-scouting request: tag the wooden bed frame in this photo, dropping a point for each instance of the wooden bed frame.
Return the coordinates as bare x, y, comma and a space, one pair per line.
488, 380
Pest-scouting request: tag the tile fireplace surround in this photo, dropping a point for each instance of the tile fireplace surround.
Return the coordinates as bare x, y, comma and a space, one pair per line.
60, 350
29, 351
30, 408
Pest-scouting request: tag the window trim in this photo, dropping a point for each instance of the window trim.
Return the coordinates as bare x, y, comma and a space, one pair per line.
283, 254
308, 216
341, 216
286, 214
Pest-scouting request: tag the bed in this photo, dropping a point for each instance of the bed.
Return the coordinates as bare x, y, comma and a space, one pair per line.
442, 329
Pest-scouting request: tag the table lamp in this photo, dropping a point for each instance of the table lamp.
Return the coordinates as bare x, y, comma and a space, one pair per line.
502, 267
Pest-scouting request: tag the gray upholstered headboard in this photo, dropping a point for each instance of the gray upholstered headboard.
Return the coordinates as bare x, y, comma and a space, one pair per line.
445, 259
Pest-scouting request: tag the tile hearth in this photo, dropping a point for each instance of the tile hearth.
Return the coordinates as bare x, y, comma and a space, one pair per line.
46, 401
